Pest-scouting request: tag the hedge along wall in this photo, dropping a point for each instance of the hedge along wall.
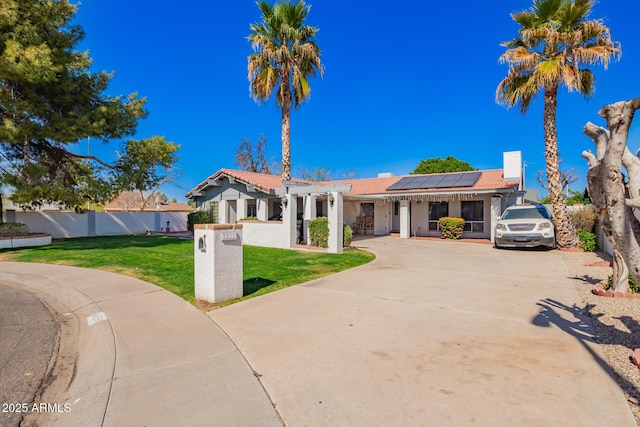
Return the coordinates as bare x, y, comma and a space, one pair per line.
319, 233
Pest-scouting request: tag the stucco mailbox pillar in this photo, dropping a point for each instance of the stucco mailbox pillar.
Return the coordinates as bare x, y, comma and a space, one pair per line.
218, 261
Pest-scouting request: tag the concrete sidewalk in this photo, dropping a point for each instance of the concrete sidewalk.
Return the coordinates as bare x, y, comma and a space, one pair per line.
133, 354
431, 333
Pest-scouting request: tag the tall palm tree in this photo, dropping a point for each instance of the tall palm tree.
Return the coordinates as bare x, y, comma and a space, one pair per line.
286, 55
555, 39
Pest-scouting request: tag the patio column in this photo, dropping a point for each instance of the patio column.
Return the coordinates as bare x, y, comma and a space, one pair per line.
496, 211
223, 211
290, 220
309, 214
241, 211
262, 209
405, 219
336, 222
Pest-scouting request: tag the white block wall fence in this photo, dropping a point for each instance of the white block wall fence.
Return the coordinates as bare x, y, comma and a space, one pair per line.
71, 224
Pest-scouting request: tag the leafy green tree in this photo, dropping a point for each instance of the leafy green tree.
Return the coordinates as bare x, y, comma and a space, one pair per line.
286, 55
575, 198
439, 165
556, 38
50, 101
147, 165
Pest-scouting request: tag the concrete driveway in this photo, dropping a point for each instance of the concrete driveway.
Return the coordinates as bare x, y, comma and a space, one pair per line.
430, 333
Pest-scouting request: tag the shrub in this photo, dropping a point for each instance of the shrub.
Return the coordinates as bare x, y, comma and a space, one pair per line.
198, 217
582, 219
451, 227
633, 286
13, 229
587, 240
249, 218
319, 233
347, 235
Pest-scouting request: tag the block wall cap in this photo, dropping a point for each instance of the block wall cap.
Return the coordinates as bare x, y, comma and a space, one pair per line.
217, 226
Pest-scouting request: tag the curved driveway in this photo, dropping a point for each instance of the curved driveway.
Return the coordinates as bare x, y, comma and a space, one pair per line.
430, 333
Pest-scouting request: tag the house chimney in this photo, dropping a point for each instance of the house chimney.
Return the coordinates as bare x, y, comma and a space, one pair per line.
385, 175
512, 166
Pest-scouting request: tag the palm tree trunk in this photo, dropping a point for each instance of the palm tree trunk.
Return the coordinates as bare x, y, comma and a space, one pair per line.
286, 127
565, 233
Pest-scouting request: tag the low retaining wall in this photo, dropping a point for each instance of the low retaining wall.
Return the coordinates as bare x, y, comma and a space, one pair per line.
264, 233
38, 239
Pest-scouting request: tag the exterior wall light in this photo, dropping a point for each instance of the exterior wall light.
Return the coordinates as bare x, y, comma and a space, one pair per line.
285, 202
331, 199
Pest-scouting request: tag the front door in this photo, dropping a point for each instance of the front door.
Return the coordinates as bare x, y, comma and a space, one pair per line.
395, 218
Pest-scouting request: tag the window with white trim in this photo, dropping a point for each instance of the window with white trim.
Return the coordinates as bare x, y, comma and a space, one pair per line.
473, 214
437, 210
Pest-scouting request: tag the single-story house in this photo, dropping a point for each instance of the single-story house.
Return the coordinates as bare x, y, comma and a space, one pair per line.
409, 205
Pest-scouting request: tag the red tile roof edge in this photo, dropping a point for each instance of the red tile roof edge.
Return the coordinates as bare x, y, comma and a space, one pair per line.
488, 180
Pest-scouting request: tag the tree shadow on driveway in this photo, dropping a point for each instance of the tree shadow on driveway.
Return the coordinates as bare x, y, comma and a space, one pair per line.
584, 328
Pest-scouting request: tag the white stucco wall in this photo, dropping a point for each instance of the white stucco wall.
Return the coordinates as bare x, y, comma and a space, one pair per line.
270, 234
382, 219
419, 215
351, 211
116, 223
58, 224
71, 224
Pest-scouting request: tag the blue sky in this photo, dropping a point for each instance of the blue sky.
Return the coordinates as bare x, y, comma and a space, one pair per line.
403, 82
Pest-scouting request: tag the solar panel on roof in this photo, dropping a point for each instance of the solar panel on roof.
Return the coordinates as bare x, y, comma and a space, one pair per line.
449, 180
468, 179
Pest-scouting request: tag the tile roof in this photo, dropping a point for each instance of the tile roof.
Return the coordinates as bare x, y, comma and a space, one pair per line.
262, 181
488, 180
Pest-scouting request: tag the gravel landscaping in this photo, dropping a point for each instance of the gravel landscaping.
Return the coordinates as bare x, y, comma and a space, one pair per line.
616, 322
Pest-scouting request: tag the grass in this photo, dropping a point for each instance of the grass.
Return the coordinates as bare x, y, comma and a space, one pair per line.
168, 262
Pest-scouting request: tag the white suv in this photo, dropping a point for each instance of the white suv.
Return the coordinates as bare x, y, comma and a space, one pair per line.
525, 226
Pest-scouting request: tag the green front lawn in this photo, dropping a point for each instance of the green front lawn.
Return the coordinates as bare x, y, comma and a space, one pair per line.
168, 262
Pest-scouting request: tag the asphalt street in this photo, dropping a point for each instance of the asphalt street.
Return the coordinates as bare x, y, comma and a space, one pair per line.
28, 333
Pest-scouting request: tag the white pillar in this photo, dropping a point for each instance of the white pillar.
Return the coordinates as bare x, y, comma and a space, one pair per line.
241, 209
262, 210
496, 211
217, 256
223, 212
405, 220
289, 220
336, 222
309, 215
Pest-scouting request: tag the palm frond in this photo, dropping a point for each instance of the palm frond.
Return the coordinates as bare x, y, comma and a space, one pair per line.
547, 11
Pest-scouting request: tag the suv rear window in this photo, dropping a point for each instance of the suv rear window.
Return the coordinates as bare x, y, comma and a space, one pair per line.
534, 212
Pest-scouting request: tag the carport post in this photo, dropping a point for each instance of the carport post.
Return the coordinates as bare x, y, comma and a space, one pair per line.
336, 221
496, 211
290, 219
405, 220
309, 215
223, 211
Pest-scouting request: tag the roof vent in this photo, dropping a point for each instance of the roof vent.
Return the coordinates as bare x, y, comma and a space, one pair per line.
385, 175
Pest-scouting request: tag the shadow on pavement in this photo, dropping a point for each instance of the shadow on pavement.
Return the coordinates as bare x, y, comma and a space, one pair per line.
583, 329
